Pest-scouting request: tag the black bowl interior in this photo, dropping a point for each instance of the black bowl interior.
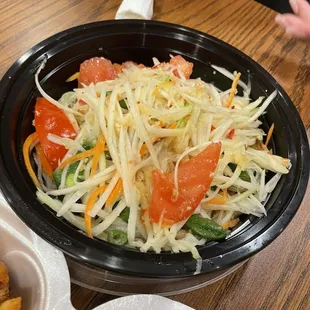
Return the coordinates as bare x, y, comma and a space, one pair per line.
140, 41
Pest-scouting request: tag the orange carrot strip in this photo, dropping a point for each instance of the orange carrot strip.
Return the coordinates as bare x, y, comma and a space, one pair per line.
219, 200
26, 147
260, 146
233, 90
76, 157
143, 149
230, 224
173, 125
117, 190
270, 131
45, 164
73, 77
90, 203
99, 148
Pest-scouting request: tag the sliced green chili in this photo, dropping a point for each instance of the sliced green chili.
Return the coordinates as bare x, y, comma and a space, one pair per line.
205, 228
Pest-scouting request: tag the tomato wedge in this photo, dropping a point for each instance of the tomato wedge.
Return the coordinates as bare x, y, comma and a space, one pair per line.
194, 179
230, 134
185, 66
50, 119
97, 69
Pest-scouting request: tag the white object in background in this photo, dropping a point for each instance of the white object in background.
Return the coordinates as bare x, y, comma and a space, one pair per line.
39, 272
135, 9
143, 302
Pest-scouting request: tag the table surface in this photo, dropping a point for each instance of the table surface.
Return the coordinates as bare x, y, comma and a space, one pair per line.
276, 278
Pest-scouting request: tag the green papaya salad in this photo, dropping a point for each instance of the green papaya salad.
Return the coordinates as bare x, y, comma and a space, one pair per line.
148, 157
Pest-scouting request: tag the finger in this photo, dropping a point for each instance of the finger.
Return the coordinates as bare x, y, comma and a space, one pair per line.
301, 8
294, 26
294, 6
303, 34
284, 20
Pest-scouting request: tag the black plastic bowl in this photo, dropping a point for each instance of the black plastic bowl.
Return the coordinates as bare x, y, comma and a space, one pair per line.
140, 41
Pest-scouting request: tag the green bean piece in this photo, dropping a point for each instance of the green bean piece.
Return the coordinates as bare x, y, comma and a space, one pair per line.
107, 155
165, 78
205, 228
70, 175
123, 104
232, 166
243, 175
125, 214
181, 123
117, 237
70, 180
57, 176
88, 145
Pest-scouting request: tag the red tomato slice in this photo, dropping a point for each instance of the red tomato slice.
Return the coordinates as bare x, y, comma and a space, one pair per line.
194, 179
96, 70
231, 134
183, 65
50, 119
82, 102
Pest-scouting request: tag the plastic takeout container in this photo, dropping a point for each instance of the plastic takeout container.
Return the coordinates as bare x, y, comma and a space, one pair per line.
39, 273
139, 41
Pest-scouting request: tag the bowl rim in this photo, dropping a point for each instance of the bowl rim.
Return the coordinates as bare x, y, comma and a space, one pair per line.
146, 268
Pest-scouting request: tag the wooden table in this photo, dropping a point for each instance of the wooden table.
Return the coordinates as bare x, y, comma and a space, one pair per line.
279, 276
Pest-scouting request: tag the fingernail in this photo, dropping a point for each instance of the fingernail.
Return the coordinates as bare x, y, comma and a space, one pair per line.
294, 6
280, 20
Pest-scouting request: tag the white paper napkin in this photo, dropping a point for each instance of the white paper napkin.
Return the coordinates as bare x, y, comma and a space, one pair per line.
143, 302
135, 9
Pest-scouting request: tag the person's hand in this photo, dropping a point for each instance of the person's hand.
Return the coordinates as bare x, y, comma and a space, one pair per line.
298, 24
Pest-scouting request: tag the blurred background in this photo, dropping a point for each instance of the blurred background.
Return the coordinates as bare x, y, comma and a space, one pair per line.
281, 6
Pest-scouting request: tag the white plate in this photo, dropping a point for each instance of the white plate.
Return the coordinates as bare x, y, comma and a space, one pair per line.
39, 273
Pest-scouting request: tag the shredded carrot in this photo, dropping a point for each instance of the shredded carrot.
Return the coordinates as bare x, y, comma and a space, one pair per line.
270, 131
173, 125
143, 149
156, 140
144, 213
219, 200
260, 146
90, 203
233, 90
231, 223
26, 147
73, 77
45, 164
76, 157
99, 148
117, 190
